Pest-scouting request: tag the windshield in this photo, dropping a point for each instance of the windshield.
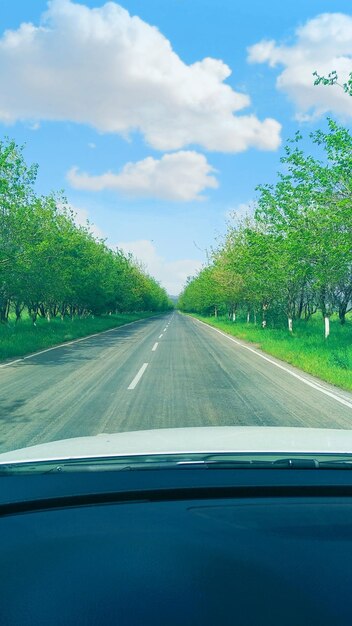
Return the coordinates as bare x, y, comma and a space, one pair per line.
175, 233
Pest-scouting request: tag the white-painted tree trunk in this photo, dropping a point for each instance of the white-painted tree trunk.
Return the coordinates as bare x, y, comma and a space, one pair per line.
248, 317
327, 326
233, 316
290, 324
255, 319
215, 311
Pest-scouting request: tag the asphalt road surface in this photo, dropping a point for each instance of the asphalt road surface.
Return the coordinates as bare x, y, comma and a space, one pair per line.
166, 371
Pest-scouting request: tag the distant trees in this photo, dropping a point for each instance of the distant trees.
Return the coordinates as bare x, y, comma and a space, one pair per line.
49, 265
295, 255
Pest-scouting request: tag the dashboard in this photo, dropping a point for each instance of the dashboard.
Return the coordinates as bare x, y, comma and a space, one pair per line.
175, 547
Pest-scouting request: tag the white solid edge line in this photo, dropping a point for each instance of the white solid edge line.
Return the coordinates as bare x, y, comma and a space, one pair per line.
138, 376
69, 343
316, 386
155, 346
11, 362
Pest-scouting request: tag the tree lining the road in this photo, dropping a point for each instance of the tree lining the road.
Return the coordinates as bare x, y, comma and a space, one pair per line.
294, 256
50, 266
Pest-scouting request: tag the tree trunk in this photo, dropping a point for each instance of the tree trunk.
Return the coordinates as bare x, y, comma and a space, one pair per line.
301, 304
290, 324
33, 313
4, 311
3, 318
53, 310
18, 311
264, 310
327, 326
343, 308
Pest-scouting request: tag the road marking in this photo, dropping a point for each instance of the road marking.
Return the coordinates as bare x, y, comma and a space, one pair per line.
165, 329
160, 336
69, 343
11, 363
155, 346
316, 386
138, 376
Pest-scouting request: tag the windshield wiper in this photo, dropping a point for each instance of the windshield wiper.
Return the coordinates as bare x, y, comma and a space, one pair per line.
204, 462
283, 463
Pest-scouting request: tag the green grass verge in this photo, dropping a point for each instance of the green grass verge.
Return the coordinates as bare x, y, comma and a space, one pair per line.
24, 338
306, 348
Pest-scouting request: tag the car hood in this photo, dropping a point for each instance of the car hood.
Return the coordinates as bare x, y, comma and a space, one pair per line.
227, 439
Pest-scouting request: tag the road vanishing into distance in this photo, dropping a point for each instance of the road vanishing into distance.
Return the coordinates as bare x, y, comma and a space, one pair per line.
165, 371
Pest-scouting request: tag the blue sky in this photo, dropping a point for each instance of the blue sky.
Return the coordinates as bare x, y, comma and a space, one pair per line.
156, 134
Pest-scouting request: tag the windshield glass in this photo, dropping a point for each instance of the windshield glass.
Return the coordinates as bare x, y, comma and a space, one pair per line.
175, 231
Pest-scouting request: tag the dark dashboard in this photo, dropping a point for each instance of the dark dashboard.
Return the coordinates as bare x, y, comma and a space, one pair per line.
172, 547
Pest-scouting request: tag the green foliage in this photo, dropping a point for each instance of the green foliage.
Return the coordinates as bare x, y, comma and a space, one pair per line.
51, 267
24, 338
333, 79
294, 256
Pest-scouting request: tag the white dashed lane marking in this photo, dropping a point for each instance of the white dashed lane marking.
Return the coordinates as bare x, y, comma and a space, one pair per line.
138, 376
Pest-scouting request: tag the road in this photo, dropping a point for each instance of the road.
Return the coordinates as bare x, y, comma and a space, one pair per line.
166, 371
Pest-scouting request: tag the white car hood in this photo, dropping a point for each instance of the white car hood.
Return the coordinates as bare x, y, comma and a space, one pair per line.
242, 439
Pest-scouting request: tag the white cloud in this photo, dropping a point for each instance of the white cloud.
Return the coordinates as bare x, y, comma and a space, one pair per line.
34, 126
115, 72
323, 44
171, 274
179, 176
92, 145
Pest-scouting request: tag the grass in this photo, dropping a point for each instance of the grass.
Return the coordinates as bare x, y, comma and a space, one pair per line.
24, 338
328, 359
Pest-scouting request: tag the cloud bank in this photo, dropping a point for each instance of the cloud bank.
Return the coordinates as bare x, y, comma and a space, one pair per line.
115, 72
323, 44
180, 176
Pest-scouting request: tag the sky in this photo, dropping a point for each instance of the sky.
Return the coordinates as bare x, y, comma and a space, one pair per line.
158, 118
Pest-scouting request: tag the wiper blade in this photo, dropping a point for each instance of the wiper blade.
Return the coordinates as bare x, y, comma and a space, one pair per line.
203, 461
297, 463
98, 465
281, 463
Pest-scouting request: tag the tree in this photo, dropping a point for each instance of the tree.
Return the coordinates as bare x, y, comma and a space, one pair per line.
295, 255
333, 79
51, 266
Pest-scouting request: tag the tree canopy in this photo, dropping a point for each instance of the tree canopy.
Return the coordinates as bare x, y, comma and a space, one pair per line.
294, 256
51, 266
